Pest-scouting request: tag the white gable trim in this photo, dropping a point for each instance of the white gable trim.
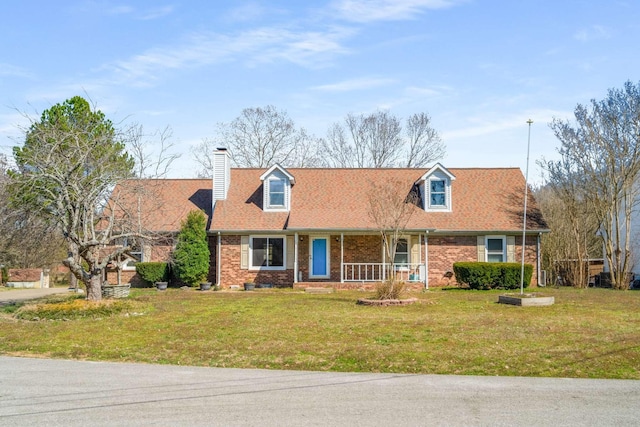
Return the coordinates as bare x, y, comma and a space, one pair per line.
438, 167
282, 170
441, 174
276, 173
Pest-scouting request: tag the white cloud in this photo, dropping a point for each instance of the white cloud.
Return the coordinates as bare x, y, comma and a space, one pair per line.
430, 92
490, 123
120, 10
156, 13
354, 84
12, 70
595, 32
387, 10
305, 48
246, 12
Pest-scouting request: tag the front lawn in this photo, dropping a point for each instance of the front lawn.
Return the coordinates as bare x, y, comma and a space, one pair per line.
590, 333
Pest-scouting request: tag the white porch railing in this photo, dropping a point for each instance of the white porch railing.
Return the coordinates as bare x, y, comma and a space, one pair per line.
378, 271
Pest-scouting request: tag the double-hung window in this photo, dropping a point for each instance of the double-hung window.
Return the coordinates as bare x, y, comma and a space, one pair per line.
437, 193
276, 193
401, 259
495, 249
134, 256
267, 253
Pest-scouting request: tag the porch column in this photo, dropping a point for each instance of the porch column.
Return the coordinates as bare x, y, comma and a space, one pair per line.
341, 257
384, 261
295, 258
426, 259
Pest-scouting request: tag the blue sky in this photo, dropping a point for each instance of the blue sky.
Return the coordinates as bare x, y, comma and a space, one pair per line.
480, 68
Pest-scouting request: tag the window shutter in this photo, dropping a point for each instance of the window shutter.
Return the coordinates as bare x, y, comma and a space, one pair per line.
244, 252
415, 250
481, 249
290, 252
146, 252
511, 248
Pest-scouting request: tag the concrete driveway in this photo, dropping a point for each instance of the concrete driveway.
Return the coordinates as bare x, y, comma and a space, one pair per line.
15, 295
36, 392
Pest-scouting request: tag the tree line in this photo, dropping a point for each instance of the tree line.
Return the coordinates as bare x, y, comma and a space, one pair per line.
262, 136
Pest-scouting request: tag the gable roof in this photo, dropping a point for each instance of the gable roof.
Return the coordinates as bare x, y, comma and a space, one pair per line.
279, 168
483, 199
438, 167
164, 203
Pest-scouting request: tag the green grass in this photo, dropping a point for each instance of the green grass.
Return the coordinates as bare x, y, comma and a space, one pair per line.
590, 333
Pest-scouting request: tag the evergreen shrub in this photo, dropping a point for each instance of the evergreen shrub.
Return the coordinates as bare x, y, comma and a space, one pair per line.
152, 272
191, 256
492, 275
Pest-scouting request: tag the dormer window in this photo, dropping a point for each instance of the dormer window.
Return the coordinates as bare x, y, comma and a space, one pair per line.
435, 189
438, 193
276, 192
277, 184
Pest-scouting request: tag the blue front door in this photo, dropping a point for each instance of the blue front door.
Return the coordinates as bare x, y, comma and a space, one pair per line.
319, 265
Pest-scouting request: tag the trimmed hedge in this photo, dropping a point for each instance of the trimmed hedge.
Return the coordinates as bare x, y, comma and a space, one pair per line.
152, 272
492, 275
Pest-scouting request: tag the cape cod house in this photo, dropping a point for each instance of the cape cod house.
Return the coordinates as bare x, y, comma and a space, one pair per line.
311, 227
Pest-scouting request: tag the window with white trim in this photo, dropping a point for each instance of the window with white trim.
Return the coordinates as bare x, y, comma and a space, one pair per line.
276, 193
135, 256
495, 249
437, 193
267, 253
402, 252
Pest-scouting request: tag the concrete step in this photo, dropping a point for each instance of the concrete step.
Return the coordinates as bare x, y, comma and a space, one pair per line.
318, 290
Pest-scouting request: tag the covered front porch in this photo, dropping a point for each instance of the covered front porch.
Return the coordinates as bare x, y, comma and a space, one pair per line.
353, 260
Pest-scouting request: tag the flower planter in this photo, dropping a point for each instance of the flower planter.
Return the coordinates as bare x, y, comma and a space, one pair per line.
116, 291
205, 286
162, 286
249, 286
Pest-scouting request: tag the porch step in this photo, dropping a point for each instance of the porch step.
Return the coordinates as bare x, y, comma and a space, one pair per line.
318, 290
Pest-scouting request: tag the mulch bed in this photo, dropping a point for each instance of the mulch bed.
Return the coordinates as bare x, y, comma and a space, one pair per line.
386, 302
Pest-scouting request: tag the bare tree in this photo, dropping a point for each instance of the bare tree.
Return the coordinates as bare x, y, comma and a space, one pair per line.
203, 156
601, 154
27, 240
67, 169
425, 145
572, 241
139, 145
260, 137
391, 207
376, 140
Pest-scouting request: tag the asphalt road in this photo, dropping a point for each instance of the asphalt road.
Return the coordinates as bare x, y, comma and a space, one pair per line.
39, 392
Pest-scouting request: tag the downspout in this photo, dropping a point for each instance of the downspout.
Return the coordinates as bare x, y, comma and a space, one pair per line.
341, 257
219, 260
295, 258
538, 260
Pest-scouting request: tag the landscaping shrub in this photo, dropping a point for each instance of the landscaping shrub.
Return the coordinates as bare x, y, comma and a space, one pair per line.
492, 275
77, 308
510, 275
389, 289
191, 256
152, 272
